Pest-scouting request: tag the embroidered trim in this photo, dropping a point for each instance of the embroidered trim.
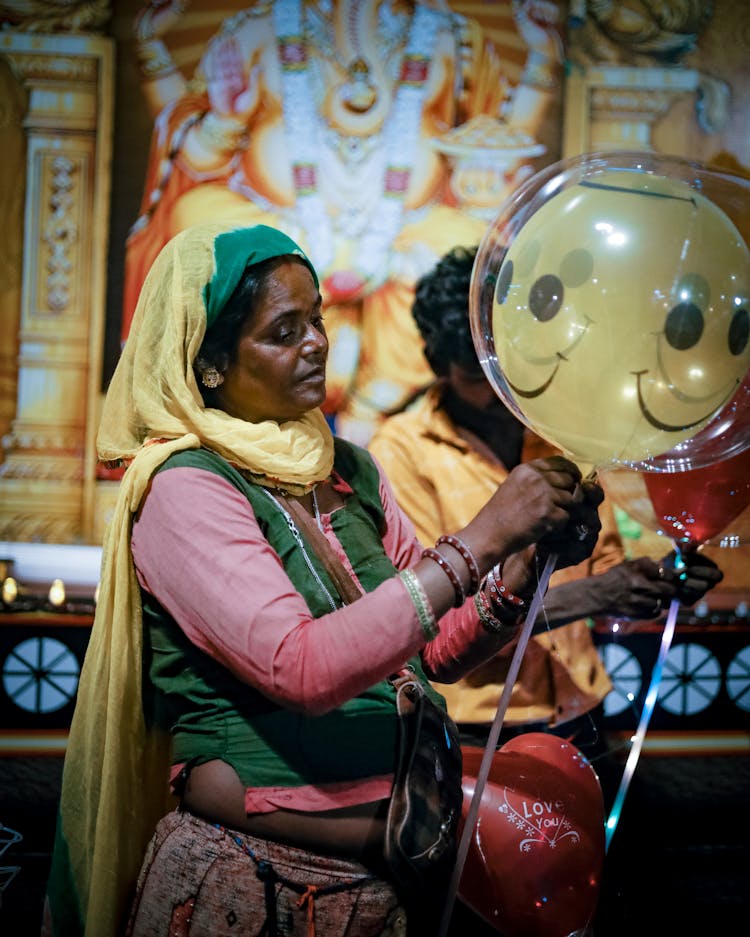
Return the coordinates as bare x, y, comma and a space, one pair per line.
269, 876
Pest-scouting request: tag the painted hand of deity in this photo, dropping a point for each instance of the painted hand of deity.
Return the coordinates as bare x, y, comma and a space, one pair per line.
230, 91
157, 18
538, 23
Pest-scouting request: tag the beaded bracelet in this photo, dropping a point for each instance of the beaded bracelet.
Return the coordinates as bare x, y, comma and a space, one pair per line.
425, 615
466, 555
488, 620
153, 58
499, 592
449, 571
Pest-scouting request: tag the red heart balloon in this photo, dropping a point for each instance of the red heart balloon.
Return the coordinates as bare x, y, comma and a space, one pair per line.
534, 864
696, 505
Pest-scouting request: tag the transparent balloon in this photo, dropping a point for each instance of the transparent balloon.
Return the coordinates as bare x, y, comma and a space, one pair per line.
725, 435
610, 309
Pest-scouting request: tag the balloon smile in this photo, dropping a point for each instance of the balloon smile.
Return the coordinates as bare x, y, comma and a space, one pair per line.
537, 391
560, 356
675, 391
665, 427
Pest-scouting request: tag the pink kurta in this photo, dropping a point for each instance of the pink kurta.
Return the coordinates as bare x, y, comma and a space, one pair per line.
199, 550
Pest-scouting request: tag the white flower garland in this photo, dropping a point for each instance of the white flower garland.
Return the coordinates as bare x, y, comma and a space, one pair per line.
401, 137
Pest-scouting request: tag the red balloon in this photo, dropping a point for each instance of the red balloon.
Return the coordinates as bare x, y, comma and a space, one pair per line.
696, 505
735, 534
534, 864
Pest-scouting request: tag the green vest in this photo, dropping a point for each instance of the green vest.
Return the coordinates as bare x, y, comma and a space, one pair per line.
212, 714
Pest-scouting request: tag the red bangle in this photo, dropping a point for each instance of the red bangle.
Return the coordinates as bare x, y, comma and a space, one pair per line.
467, 556
489, 615
500, 592
450, 572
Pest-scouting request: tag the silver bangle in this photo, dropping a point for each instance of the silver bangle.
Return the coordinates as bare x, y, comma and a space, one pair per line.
425, 615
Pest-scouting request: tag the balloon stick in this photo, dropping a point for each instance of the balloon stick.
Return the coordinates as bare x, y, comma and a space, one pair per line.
489, 751
648, 708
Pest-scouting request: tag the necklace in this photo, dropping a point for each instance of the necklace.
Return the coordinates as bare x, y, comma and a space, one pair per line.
316, 509
362, 21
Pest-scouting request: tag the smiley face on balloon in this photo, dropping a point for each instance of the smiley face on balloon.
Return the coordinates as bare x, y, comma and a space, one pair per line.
620, 315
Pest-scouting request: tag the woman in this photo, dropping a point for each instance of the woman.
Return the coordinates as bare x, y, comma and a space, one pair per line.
274, 691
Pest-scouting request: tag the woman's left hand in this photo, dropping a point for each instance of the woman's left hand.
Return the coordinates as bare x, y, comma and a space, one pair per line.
572, 545
576, 541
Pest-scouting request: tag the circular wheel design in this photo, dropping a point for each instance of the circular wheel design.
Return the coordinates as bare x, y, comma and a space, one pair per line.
625, 672
738, 679
690, 681
40, 675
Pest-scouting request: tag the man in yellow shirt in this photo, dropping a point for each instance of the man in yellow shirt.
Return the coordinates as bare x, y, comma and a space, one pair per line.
445, 453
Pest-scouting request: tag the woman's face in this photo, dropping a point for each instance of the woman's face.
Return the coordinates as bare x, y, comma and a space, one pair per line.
278, 371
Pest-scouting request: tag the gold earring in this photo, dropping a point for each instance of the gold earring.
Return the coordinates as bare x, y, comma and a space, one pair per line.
211, 378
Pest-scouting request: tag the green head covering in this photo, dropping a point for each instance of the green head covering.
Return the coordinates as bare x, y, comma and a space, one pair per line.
234, 252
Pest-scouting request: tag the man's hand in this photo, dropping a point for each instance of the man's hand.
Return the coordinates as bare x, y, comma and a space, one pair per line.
644, 589
694, 578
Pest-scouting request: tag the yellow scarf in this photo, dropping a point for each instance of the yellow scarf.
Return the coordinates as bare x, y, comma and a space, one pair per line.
115, 778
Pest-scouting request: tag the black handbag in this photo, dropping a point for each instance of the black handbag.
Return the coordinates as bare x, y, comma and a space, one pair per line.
425, 806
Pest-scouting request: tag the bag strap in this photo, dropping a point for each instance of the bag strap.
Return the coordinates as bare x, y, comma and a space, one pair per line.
346, 587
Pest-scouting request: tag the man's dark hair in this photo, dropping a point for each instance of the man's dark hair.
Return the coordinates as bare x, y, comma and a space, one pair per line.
441, 312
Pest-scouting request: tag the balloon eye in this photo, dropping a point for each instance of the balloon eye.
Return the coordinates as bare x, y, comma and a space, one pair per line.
503, 282
684, 326
739, 331
546, 297
576, 267
694, 288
